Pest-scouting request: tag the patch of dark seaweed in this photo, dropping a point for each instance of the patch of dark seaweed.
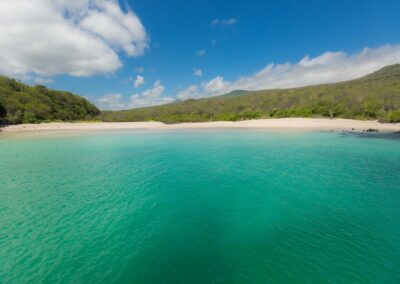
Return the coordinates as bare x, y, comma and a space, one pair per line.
373, 135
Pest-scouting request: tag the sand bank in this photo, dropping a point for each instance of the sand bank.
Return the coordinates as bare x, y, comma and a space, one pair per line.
267, 124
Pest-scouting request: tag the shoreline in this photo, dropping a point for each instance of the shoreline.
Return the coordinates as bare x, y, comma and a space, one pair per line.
312, 124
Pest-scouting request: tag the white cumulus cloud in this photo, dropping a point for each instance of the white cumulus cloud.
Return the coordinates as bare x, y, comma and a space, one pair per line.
41, 81
139, 69
201, 52
224, 22
113, 101
79, 38
138, 81
150, 97
197, 72
329, 67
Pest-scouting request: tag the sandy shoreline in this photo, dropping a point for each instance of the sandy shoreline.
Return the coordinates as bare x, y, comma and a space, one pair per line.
267, 124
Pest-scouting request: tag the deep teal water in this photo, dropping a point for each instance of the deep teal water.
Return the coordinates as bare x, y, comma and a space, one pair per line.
200, 207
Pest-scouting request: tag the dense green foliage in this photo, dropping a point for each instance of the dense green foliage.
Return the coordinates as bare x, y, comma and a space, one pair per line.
20, 103
376, 96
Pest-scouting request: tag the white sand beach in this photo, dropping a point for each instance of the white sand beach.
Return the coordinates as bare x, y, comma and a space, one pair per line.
312, 124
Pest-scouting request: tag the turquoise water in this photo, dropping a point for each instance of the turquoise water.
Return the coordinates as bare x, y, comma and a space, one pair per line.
200, 207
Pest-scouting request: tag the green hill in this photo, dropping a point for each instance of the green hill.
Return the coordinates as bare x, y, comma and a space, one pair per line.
21, 103
375, 96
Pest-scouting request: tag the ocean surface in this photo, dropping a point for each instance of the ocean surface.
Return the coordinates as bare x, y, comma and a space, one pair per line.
215, 206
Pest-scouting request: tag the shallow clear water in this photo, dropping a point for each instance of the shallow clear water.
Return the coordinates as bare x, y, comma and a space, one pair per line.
200, 207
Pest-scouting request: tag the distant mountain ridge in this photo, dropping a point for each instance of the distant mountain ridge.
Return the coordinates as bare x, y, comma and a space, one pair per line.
237, 93
390, 71
21, 103
375, 96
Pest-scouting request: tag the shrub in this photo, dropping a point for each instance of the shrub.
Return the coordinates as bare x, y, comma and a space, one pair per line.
393, 116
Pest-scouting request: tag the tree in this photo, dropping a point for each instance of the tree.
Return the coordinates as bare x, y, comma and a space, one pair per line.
2, 114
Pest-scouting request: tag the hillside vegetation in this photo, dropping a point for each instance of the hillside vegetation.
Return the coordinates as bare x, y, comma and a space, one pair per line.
21, 103
376, 96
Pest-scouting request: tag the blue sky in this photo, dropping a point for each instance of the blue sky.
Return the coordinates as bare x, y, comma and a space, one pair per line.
220, 40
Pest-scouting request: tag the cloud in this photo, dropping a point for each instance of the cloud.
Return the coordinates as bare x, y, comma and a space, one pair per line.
79, 38
150, 97
224, 22
197, 72
122, 30
329, 67
111, 102
138, 81
191, 92
201, 52
41, 81
139, 69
